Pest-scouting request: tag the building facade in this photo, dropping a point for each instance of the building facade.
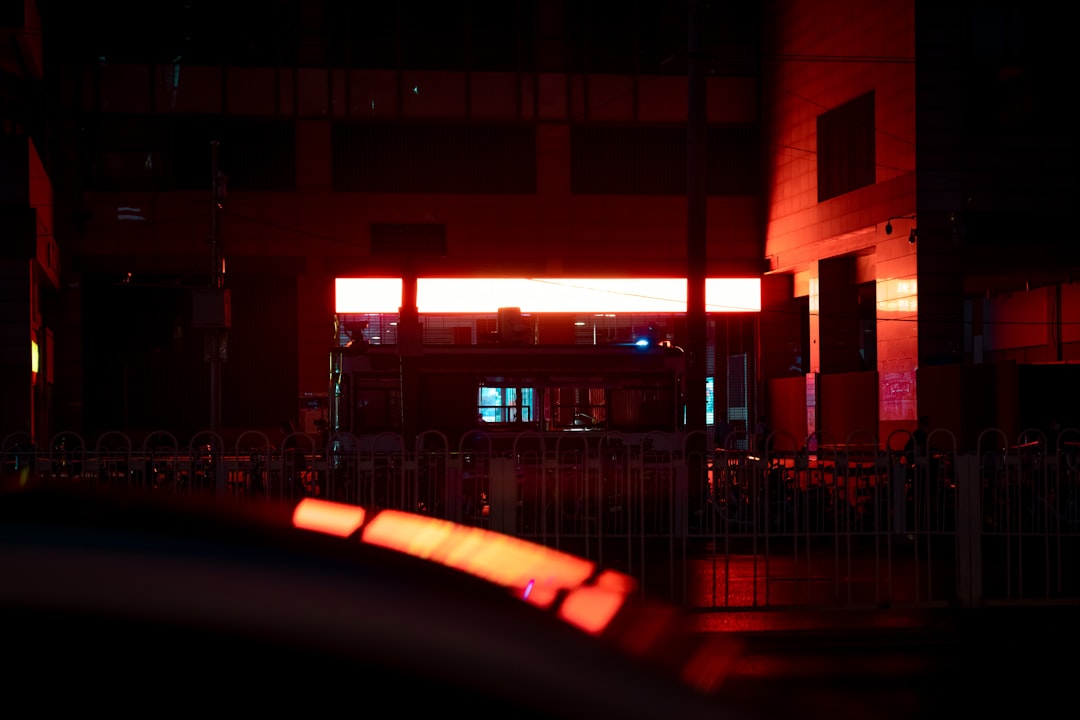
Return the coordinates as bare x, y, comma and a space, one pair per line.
29, 255
895, 176
918, 176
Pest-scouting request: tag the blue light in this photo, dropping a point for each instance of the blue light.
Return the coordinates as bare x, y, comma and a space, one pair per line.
651, 336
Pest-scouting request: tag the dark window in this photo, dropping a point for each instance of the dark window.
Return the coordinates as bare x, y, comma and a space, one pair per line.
494, 34
434, 35
420, 239
238, 32
150, 361
609, 36
868, 325
126, 152
621, 36
628, 160
845, 148
160, 152
643, 36
643, 408
376, 407
391, 35
652, 160
363, 35
434, 158
478, 35
255, 155
578, 407
734, 160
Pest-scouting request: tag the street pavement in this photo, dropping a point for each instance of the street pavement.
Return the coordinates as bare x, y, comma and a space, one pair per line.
901, 665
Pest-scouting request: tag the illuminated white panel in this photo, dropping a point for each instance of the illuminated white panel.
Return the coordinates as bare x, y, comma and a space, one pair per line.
534, 295
732, 295
537, 295
367, 295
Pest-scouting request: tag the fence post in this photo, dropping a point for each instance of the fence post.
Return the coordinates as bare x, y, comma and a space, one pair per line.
221, 476
681, 500
454, 495
503, 500
898, 484
968, 530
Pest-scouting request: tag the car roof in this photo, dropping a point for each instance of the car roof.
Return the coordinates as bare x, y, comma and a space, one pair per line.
170, 593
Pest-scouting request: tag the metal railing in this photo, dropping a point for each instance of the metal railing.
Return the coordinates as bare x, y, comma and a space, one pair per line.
828, 524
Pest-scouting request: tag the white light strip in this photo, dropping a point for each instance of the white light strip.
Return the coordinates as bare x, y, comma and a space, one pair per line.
537, 295
367, 295
550, 295
733, 295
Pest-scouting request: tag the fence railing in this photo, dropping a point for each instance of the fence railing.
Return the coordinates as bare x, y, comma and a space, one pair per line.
850, 524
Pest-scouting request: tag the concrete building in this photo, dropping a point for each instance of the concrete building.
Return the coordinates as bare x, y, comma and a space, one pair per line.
897, 175
29, 255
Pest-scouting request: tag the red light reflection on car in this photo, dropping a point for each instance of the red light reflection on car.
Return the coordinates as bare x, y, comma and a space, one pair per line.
328, 517
540, 575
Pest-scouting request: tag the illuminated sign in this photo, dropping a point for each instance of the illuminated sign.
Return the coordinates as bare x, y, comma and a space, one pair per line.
539, 295
374, 295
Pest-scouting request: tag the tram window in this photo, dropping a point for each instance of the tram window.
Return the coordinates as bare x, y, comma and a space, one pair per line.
645, 408
505, 404
376, 410
578, 407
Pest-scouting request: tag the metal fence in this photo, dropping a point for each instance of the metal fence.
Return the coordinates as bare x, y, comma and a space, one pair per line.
848, 524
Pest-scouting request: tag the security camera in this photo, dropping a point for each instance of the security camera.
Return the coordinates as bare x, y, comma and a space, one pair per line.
888, 228
911, 236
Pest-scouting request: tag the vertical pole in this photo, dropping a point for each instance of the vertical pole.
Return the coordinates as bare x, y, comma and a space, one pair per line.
1055, 324
410, 342
696, 256
217, 282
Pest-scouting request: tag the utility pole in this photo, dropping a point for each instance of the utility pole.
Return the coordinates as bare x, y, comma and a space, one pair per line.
220, 302
410, 347
692, 494
696, 254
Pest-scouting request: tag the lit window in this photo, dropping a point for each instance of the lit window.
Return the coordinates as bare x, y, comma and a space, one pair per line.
505, 404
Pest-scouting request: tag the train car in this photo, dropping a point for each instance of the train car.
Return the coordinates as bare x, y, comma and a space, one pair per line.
631, 389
